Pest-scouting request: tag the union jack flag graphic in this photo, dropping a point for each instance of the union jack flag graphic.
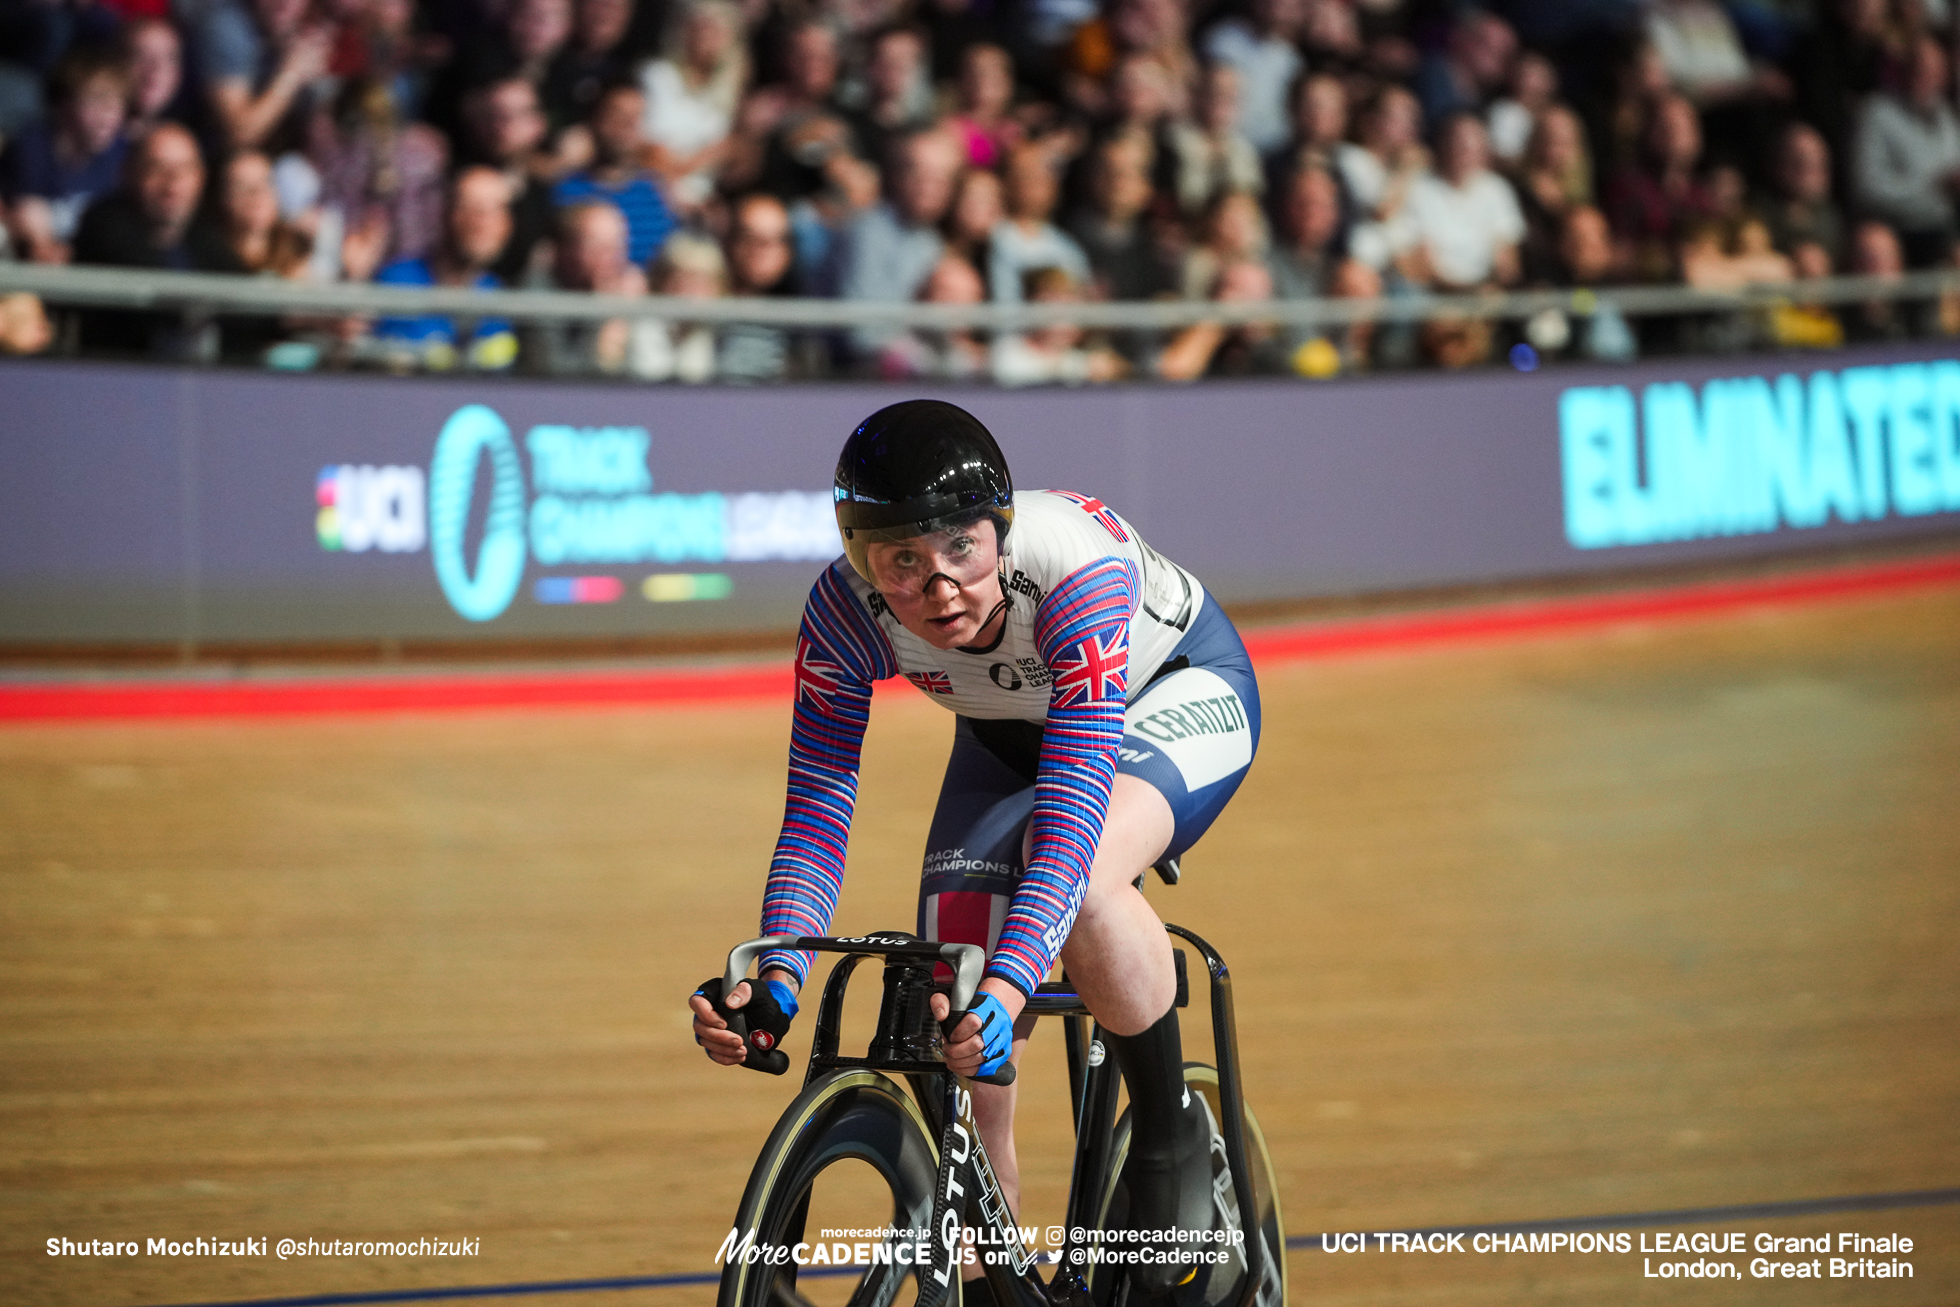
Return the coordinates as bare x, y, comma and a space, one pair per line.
816, 680
931, 682
1095, 671
1100, 511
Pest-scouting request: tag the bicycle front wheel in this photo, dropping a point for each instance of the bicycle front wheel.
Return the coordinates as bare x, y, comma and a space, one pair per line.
842, 1118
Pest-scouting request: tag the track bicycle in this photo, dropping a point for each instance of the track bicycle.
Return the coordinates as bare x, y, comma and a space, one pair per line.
926, 1149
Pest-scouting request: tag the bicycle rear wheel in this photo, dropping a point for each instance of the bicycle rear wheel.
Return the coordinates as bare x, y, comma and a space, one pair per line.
842, 1117
1224, 1285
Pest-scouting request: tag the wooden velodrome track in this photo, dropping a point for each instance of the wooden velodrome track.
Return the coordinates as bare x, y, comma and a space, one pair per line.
1641, 917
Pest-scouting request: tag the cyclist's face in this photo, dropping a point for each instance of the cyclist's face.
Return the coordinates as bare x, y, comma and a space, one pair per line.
942, 587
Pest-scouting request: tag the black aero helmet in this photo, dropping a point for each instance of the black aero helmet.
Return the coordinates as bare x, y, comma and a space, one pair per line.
914, 468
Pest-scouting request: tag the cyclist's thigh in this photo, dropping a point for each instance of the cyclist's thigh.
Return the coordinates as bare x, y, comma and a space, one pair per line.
973, 852
1192, 733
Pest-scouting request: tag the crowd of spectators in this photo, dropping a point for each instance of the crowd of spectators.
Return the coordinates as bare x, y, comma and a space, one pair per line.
961, 151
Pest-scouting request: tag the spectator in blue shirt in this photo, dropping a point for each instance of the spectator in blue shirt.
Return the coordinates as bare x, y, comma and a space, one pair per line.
476, 225
618, 174
52, 170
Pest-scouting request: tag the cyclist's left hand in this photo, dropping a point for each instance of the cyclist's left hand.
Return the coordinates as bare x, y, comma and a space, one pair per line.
981, 1044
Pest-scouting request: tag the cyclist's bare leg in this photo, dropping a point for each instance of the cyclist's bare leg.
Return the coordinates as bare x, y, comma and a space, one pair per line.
1118, 955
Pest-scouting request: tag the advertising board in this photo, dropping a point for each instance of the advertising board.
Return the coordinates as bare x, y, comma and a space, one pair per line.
145, 504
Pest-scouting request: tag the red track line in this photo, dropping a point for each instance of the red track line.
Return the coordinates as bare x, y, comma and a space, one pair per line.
1550, 616
771, 682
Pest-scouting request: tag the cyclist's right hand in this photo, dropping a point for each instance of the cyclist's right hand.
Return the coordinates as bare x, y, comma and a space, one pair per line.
768, 1013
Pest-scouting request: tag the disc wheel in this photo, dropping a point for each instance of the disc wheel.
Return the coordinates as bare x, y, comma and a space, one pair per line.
843, 1117
1223, 1285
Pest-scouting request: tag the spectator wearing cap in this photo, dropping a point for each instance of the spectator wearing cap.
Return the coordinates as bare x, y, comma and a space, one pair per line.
617, 175
53, 169
589, 255
1801, 211
261, 65
1210, 156
1263, 51
1464, 220
153, 222
691, 95
1027, 239
476, 226
887, 253
1907, 158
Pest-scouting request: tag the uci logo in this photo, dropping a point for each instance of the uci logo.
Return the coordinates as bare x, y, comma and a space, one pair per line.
1004, 676
363, 508
481, 592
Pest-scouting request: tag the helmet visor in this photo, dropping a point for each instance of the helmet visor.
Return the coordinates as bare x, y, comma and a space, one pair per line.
863, 524
963, 554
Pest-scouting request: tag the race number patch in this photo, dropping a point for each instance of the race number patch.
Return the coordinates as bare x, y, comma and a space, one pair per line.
1198, 722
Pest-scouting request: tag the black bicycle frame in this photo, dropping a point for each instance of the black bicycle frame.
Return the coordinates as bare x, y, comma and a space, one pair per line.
901, 1048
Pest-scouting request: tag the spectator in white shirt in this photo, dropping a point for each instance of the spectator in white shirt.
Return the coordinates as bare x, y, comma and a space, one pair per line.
1056, 353
691, 94
1906, 158
1379, 174
1263, 51
1534, 89
1464, 224
1027, 239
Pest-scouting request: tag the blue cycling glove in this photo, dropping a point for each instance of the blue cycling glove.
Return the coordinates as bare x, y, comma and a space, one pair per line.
996, 1033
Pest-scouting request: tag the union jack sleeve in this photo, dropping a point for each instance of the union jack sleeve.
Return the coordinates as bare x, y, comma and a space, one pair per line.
1083, 632
839, 652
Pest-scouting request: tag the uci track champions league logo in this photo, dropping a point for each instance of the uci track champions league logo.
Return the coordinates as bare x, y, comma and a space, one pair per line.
590, 500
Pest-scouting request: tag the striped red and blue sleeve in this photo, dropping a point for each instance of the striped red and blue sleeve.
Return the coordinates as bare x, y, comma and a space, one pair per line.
1082, 631
839, 652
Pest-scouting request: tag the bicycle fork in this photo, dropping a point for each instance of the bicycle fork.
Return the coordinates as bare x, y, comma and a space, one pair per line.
966, 1184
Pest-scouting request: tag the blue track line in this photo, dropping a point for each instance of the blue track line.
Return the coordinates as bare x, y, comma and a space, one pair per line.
1677, 1216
